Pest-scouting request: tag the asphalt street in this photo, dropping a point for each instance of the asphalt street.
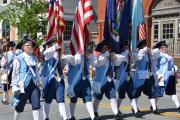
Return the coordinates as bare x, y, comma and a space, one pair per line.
165, 104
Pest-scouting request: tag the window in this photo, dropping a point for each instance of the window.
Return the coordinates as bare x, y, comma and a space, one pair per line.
168, 30
5, 28
4, 1
156, 31
20, 1
179, 29
68, 30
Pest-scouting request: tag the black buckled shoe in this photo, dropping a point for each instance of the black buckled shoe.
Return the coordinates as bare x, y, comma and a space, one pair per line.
151, 108
119, 116
139, 114
156, 111
178, 109
47, 119
97, 116
73, 118
5, 102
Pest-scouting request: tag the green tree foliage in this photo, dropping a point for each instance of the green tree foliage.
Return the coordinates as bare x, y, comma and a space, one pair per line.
28, 16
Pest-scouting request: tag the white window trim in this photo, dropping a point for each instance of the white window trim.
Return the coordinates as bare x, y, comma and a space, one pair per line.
4, 4
155, 23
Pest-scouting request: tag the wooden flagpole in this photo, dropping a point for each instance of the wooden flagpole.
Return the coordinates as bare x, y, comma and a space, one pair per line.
58, 38
7, 82
110, 62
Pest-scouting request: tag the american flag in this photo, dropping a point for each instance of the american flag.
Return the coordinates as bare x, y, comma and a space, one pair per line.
55, 19
142, 32
80, 33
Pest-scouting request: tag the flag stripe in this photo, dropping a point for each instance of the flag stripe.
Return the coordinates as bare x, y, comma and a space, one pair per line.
83, 15
55, 19
142, 32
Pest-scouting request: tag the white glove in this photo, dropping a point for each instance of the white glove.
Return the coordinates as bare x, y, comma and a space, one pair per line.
150, 74
161, 83
128, 78
160, 77
21, 87
41, 48
15, 89
106, 53
56, 46
77, 58
109, 79
161, 80
55, 56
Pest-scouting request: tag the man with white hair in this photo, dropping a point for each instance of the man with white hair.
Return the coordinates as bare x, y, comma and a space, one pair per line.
25, 79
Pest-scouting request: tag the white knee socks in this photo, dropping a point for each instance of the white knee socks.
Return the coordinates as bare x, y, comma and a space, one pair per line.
175, 100
153, 104
46, 109
114, 106
36, 114
62, 110
4, 96
134, 105
16, 115
89, 106
72, 108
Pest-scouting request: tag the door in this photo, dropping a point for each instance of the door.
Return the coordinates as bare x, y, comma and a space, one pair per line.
167, 33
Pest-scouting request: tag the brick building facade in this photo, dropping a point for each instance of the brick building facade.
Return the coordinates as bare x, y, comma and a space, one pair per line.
162, 19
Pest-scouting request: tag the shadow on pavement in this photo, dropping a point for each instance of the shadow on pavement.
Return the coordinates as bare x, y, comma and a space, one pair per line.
168, 110
103, 117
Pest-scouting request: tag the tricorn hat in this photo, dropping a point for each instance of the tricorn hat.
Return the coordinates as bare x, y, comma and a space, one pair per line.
25, 39
101, 44
141, 43
160, 44
50, 41
11, 44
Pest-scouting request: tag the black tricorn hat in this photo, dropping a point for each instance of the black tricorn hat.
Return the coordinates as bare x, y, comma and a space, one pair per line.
11, 44
160, 44
50, 41
25, 39
141, 43
101, 44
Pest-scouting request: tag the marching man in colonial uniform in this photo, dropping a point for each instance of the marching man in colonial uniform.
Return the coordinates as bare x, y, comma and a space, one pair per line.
79, 82
53, 78
150, 83
143, 79
7, 60
103, 82
166, 75
25, 80
124, 82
